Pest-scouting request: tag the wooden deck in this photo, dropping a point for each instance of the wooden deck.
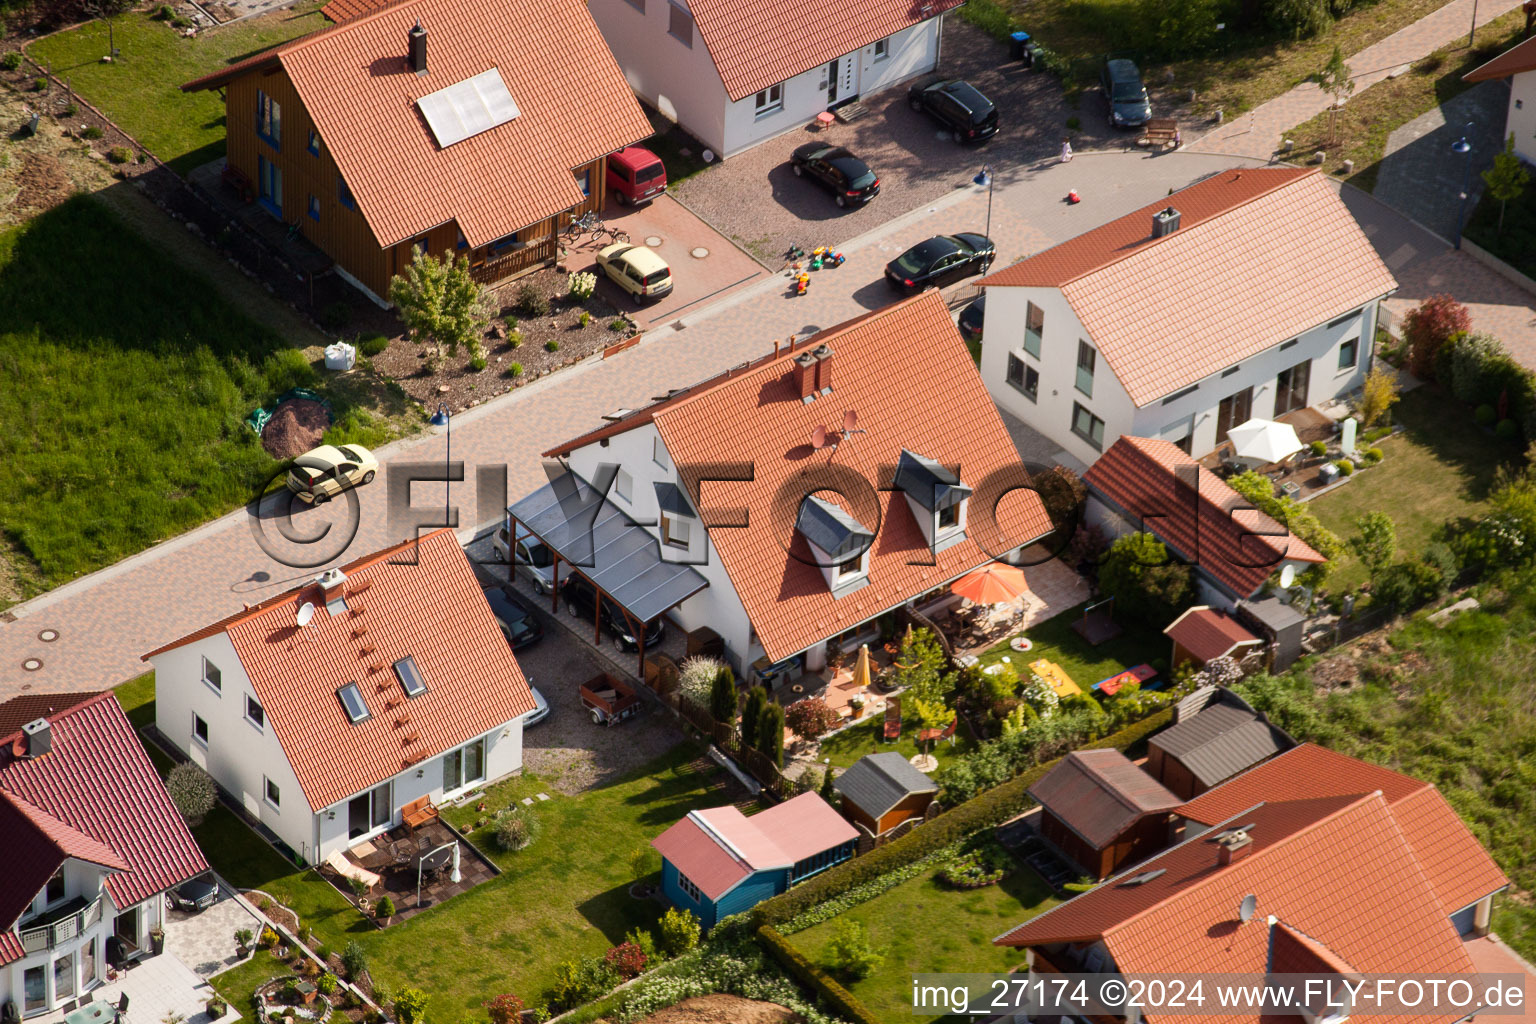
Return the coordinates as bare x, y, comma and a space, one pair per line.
394, 856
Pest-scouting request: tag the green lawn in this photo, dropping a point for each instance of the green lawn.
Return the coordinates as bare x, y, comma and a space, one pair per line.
853, 743
126, 381
1056, 640
141, 90
925, 926
1438, 469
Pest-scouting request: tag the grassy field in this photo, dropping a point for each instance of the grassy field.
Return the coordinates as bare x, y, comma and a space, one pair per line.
1438, 469
127, 380
1056, 640
853, 743
1452, 706
925, 926
141, 90
1370, 116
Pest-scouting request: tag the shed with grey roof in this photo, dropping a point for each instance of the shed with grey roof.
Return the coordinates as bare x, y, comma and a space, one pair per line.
881, 791
1216, 742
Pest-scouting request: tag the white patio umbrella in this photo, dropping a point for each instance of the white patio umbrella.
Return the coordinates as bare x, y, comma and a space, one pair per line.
1264, 440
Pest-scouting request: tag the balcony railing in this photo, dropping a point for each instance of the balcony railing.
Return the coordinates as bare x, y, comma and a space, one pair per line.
59, 926
511, 262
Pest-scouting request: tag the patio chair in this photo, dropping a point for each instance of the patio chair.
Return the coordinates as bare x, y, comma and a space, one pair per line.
122, 1008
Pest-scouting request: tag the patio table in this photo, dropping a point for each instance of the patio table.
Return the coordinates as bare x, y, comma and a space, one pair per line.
97, 1012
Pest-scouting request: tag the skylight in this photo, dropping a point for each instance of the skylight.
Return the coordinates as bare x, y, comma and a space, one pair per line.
352, 703
410, 676
467, 108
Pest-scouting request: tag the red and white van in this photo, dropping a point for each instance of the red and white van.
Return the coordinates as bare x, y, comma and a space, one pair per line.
635, 176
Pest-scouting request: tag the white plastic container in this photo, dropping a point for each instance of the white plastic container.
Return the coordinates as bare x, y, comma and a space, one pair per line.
340, 356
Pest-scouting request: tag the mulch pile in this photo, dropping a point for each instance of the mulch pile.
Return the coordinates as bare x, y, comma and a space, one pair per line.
722, 1009
296, 426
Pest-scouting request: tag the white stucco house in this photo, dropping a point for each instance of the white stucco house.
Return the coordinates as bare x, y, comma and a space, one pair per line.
327, 709
1250, 294
1518, 64
733, 74
794, 500
89, 844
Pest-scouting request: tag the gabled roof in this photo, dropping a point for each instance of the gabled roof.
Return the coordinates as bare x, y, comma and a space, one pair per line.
828, 525
908, 375
875, 783
29, 707
1151, 479
927, 482
1099, 794
1518, 58
574, 104
417, 600
96, 796
1209, 633
756, 45
1271, 248
1458, 868
718, 847
1221, 741
1334, 869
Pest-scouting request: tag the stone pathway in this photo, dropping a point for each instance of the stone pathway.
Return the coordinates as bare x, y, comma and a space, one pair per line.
1422, 178
205, 941
1258, 133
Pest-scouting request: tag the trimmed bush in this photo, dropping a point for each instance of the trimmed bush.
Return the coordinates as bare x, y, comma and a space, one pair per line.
1371, 456
842, 1002
551, 345
373, 345
411, 1006
119, 154
192, 791
11, 61
531, 301
1484, 415
505, 1009
327, 983
1318, 449
385, 910
627, 960
1344, 466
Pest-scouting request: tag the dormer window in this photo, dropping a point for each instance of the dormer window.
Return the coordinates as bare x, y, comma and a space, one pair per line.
677, 514
853, 567
839, 544
936, 497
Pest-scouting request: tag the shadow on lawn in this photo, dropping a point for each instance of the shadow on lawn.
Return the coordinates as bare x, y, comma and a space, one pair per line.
615, 912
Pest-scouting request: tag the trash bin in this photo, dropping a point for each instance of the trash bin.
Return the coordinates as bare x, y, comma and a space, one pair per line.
1030, 49
1016, 47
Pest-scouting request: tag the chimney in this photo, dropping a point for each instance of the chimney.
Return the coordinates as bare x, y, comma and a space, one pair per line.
418, 48
805, 377
823, 354
1233, 847
38, 737
1165, 222
331, 582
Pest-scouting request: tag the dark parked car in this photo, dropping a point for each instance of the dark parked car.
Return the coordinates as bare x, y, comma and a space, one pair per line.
579, 596
1125, 93
971, 317
194, 895
518, 623
848, 178
942, 260
958, 106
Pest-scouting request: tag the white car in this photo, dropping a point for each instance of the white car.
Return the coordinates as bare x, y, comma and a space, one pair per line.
322, 473
539, 713
529, 557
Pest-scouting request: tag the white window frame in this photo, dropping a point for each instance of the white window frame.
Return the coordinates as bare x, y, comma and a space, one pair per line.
201, 741
768, 102
841, 575
882, 50
676, 530
693, 892
261, 725
1354, 362
216, 684
659, 453
268, 787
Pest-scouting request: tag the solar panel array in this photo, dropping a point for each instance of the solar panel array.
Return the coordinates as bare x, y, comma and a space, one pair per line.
467, 108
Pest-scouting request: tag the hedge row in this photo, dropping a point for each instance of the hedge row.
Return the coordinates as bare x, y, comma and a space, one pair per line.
834, 996
993, 807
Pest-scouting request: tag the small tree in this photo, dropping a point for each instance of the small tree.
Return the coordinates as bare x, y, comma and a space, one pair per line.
192, 791
1507, 178
920, 666
722, 697
850, 953
770, 732
751, 712
642, 860
828, 791
441, 302
696, 680
1335, 81
1144, 580
677, 932
354, 960
505, 1009
1377, 543
1377, 395
385, 910
931, 714
1427, 327
811, 717
411, 1006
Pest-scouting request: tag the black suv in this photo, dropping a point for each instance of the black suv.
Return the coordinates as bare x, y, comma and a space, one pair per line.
958, 106
579, 594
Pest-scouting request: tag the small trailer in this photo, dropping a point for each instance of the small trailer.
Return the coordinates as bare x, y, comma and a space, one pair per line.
608, 700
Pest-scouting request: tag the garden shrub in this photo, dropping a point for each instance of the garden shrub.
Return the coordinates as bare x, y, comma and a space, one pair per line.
1484, 415
268, 938
192, 791
1147, 582
411, 1006
677, 931
354, 960
585, 318
643, 940
505, 1009
119, 154
515, 370
1472, 358
93, 132
287, 368
986, 864
531, 301
1427, 327
517, 829
1405, 585
626, 959
476, 364
581, 285
842, 1002
617, 324
1299, 19
373, 344
385, 909
1377, 396
722, 696
850, 952
751, 712
1371, 456
327, 983
11, 61
810, 717
552, 345
1506, 430
1318, 448
1345, 467
580, 981
514, 337
770, 732
696, 679
1292, 514
41, 85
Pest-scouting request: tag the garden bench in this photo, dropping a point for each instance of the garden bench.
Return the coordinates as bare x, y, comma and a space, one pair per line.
1161, 132
418, 812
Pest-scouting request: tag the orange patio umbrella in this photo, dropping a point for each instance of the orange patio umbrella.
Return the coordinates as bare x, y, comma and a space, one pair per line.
993, 583
861, 675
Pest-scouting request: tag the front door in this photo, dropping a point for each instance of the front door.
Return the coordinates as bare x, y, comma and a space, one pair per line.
1233, 410
843, 79
1291, 388
832, 81
126, 928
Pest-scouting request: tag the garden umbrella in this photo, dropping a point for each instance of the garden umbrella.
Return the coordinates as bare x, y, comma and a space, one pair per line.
993, 583
861, 676
1264, 440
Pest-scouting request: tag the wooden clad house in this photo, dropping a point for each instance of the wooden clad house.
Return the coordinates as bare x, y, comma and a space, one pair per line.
1102, 811
454, 126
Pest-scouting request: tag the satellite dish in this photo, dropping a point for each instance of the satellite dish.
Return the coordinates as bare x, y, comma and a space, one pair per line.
1287, 577
850, 421
306, 612
819, 437
1250, 904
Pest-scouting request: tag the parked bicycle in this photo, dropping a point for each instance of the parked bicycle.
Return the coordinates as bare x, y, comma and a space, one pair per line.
591, 225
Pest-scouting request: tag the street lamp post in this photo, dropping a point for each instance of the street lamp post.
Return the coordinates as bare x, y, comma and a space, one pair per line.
1463, 148
442, 418
984, 179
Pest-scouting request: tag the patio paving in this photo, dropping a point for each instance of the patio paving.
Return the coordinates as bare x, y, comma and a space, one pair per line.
399, 878
205, 941
158, 988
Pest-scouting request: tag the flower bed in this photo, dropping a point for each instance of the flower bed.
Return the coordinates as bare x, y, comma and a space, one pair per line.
986, 864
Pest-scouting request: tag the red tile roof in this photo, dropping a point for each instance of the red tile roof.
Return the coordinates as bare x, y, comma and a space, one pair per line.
1456, 864
345, 10
758, 45
1518, 58
1150, 478
1335, 869
574, 106
97, 796
718, 847
1099, 794
29, 707
1272, 249
1208, 633
424, 603
888, 366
